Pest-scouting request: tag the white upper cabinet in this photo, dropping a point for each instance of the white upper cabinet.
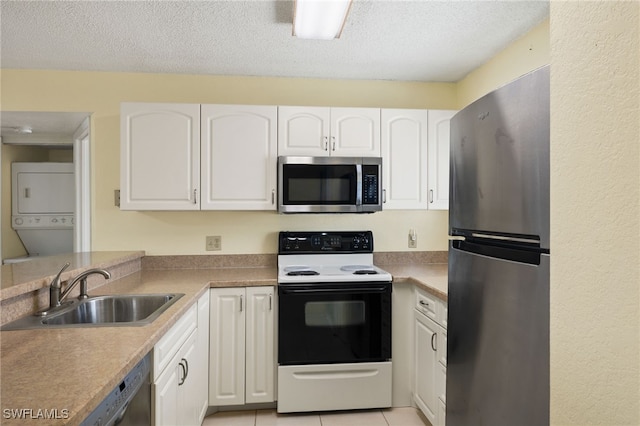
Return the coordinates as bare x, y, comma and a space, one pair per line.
159, 156
415, 151
323, 131
404, 153
175, 157
239, 157
439, 135
355, 132
303, 131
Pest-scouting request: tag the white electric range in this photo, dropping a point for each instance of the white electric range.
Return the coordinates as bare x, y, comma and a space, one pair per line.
334, 323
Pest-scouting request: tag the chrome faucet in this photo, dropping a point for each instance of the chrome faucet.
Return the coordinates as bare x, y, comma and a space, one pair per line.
54, 290
57, 296
82, 278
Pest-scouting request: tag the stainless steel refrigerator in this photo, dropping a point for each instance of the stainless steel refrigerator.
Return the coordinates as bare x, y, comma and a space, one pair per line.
498, 324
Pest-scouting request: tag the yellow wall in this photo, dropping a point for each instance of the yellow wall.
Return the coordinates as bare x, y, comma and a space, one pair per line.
595, 213
595, 183
525, 54
242, 232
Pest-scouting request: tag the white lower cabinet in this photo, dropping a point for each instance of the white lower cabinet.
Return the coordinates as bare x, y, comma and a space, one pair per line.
430, 370
242, 350
179, 389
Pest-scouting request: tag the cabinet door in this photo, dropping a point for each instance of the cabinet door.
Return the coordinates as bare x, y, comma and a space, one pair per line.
442, 414
425, 366
200, 369
159, 156
165, 395
260, 356
303, 131
189, 404
227, 347
441, 383
404, 158
355, 132
239, 157
439, 132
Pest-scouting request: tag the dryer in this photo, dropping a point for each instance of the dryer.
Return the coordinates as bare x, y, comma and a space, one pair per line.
43, 204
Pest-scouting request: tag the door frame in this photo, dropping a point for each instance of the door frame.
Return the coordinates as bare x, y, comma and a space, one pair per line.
82, 165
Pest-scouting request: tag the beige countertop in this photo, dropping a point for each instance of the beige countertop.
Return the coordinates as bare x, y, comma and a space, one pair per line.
73, 369
431, 277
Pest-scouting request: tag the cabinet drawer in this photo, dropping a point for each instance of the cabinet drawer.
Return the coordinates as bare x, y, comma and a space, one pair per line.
171, 342
426, 304
444, 313
431, 306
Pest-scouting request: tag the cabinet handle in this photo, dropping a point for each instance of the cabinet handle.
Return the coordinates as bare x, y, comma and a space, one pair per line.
333, 143
273, 196
326, 143
431, 196
423, 303
27, 193
186, 366
384, 195
184, 373
270, 303
241, 303
434, 341
195, 196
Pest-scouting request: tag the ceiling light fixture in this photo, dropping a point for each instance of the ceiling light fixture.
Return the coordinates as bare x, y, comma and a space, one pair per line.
23, 130
319, 19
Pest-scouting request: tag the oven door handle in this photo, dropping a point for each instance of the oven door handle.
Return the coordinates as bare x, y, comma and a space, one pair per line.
339, 290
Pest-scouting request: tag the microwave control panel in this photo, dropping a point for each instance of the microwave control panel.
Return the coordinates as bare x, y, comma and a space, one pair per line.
370, 184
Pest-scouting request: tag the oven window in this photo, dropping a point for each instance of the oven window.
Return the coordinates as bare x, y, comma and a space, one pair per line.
319, 184
334, 314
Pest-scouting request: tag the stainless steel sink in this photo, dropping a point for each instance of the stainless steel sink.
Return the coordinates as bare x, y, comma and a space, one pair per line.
102, 311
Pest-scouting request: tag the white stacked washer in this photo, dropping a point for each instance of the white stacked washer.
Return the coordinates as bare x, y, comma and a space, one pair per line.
42, 207
334, 323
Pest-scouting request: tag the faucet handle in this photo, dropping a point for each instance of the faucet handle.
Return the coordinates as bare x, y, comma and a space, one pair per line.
56, 281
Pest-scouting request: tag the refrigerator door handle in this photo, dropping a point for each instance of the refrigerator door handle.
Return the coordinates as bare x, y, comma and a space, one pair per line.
513, 253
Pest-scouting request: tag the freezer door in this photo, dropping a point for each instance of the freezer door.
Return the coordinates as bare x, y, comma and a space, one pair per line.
500, 161
498, 341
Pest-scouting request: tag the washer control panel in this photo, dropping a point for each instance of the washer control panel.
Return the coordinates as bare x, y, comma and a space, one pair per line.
42, 221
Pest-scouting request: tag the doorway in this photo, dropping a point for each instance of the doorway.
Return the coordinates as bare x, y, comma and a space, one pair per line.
46, 136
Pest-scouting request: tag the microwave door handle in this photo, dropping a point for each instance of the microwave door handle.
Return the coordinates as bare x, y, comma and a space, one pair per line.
359, 184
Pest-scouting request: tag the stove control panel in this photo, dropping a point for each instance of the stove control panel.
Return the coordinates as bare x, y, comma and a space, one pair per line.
325, 242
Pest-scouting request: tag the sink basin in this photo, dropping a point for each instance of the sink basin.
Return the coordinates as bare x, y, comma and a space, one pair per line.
105, 311
115, 309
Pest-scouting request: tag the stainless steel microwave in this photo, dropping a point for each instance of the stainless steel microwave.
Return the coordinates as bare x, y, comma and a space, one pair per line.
329, 184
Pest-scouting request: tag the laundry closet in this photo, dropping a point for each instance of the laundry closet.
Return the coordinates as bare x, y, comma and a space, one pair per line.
40, 183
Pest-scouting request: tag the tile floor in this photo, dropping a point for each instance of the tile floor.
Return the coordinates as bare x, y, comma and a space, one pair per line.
404, 416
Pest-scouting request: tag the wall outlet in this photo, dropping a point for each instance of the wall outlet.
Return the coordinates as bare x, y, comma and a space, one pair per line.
214, 243
413, 238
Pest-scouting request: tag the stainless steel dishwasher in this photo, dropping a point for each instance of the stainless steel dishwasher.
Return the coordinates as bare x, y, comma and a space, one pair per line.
129, 403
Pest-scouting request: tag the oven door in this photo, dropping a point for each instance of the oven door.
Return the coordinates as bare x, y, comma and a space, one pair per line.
325, 323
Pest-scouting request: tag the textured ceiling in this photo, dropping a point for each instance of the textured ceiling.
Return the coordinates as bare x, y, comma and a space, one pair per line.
382, 40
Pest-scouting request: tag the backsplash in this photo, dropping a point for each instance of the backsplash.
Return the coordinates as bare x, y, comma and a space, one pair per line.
24, 304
